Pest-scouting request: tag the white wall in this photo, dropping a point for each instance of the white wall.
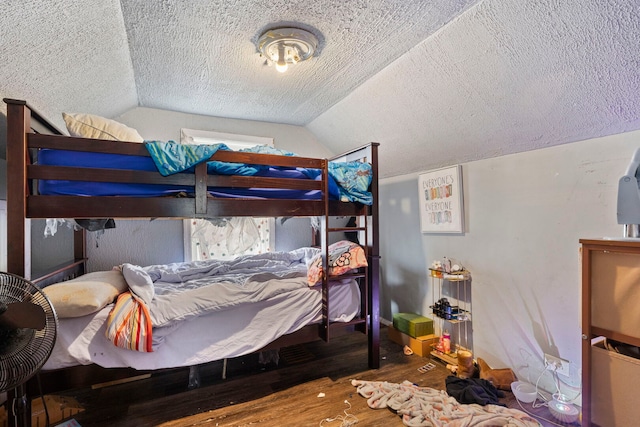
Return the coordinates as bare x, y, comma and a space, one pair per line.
165, 125
524, 215
146, 242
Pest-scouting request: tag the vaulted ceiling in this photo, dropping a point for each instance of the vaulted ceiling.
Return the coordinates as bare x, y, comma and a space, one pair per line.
437, 82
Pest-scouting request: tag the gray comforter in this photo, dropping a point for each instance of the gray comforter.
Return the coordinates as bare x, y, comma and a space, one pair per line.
181, 291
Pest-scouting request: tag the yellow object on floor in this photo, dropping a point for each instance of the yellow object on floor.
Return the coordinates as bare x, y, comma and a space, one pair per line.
420, 345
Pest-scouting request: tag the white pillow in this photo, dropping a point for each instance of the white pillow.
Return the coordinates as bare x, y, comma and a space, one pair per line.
85, 294
90, 126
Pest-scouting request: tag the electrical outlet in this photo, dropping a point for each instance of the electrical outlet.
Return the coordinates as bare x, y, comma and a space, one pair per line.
553, 363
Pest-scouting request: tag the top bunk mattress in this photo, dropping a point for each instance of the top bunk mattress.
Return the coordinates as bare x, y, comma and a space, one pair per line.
143, 163
340, 181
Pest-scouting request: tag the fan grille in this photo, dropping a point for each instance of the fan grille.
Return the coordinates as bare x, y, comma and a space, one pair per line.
24, 351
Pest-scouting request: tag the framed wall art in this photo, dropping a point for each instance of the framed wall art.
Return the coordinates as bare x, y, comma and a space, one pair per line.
440, 200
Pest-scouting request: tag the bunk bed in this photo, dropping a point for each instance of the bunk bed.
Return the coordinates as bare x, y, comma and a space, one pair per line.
203, 195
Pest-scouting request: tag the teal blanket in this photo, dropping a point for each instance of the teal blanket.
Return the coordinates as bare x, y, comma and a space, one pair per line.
349, 181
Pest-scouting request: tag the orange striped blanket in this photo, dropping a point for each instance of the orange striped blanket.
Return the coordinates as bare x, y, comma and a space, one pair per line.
129, 324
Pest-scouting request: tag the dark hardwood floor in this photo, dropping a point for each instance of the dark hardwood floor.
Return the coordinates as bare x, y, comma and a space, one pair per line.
253, 395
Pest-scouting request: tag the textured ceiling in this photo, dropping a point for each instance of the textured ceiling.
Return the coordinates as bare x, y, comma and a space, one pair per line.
504, 77
436, 82
202, 58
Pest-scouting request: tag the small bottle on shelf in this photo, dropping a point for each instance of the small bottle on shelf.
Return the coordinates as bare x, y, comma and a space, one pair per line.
446, 342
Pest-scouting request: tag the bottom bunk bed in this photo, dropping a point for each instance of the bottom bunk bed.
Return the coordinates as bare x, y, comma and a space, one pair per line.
201, 311
209, 311
204, 311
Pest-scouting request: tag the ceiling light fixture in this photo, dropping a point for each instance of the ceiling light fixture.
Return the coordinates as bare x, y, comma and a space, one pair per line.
285, 46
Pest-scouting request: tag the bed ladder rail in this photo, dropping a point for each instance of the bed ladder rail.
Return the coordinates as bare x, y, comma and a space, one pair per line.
368, 278
357, 230
366, 228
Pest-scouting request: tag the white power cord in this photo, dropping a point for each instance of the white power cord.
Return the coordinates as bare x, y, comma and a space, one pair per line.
538, 394
347, 420
538, 416
556, 382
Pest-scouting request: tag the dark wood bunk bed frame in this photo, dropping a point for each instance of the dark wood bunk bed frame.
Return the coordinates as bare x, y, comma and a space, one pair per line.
28, 131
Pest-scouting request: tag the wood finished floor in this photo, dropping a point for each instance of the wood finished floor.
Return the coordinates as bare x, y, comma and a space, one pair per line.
286, 395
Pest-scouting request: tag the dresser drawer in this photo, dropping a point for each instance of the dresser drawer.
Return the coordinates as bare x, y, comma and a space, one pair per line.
615, 292
614, 388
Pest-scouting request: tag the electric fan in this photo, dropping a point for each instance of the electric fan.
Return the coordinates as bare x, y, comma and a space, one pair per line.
28, 325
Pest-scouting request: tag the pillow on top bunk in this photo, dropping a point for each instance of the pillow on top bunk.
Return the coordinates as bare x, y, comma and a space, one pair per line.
344, 256
85, 294
96, 127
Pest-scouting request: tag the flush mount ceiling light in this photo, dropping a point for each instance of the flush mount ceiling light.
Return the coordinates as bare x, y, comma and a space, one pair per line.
284, 46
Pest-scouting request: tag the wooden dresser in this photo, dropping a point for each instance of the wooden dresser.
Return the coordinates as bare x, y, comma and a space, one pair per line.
610, 310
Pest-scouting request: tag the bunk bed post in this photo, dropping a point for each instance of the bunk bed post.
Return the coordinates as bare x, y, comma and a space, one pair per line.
374, 268
201, 188
80, 247
18, 126
324, 245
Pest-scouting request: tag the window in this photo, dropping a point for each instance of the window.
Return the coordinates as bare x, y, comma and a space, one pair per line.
226, 238
232, 140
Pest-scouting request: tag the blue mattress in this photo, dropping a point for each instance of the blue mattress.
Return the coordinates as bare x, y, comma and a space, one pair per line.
144, 163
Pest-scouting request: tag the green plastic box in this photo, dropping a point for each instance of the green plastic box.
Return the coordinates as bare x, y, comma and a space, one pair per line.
412, 324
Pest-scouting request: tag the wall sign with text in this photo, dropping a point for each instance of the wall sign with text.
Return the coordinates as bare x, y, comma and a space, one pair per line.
440, 200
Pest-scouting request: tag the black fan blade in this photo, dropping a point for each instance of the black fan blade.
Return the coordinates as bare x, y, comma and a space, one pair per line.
22, 315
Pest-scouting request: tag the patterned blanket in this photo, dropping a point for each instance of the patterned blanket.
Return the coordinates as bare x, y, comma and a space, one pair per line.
424, 406
348, 181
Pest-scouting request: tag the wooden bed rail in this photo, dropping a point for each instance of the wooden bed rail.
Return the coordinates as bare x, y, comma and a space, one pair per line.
23, 141
38, 123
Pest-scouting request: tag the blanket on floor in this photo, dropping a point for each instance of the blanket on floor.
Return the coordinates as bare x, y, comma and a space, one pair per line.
428, 407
